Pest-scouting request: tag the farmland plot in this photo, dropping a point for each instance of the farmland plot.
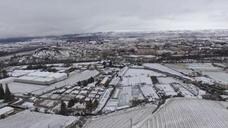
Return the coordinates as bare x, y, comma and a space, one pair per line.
187, 113
121, 119
27, 119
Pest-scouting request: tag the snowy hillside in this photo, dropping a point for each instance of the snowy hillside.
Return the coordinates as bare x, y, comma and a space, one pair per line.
53, 53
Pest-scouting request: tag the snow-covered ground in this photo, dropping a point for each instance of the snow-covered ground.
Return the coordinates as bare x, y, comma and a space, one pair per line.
187, 90
123, 71
21, 88
202, 67
167, 80
141, 72
74, 78
7, 80
27, 119
103, 99
138, 80
149, 92
205, 80
192, 88
166, 89
187, 113
219, 77
135, 84
121, 119
180, 68
115, 81
183, 91
164, 69
44, 78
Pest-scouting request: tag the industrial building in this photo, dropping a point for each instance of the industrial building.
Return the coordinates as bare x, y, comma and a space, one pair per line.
41, 78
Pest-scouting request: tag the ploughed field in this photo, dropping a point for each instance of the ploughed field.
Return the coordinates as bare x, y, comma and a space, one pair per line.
188, 113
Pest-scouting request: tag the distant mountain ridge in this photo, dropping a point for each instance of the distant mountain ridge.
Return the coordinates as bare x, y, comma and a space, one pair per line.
109, 34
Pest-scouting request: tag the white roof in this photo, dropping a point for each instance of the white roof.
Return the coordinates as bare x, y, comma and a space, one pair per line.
6, 110
42, 77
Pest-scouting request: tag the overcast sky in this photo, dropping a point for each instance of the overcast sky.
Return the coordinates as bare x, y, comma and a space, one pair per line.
51, 17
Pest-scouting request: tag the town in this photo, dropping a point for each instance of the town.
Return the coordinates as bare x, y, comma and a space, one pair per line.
115, 79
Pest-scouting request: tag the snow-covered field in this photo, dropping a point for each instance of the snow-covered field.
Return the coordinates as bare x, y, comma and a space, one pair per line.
219, 77
141, 72
27, 119
180, 68
149, 92
187, 113
164, 69
167, 89
19, 88
121, 119
192, 88
167, 80
202, 67
165, 83
7, 80
183, 91
22, 88
189, 68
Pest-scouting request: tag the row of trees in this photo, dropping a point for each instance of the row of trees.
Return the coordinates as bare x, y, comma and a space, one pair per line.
90, 106
107, 64
6, 94
3, 74
86, 82
41, 66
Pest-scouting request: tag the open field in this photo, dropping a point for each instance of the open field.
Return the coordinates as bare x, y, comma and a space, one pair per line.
121, 119
27, 119
187, 113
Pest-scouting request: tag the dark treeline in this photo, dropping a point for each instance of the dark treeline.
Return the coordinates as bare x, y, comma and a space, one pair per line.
51, 62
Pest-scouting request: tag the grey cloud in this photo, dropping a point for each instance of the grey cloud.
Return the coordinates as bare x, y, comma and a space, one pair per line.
47, 17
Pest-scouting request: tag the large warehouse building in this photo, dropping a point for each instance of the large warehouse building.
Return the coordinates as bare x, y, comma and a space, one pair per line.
41, 78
